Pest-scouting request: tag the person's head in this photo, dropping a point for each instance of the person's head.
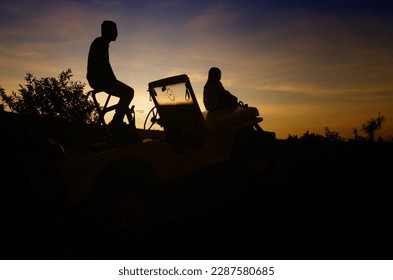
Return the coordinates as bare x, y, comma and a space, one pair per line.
214, 74
109, 30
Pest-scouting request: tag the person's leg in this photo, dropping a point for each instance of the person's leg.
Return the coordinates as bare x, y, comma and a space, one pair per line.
126, 94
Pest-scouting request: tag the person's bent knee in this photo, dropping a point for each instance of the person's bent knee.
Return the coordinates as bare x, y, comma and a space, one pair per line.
130, 94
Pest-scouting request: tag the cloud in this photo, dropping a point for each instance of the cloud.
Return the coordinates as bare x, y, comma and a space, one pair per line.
284, 56
218, 15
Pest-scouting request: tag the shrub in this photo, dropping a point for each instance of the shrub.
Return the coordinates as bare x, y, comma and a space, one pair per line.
51, 97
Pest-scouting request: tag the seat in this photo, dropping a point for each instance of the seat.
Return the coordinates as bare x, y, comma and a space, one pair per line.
221, 120
103, 110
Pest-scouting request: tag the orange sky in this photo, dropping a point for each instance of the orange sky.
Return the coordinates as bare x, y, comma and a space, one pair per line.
304, 65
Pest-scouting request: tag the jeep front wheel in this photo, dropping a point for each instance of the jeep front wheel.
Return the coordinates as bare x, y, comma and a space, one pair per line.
119, 201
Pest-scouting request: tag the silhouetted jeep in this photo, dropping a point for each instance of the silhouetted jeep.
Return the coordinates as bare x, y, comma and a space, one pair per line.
122, 186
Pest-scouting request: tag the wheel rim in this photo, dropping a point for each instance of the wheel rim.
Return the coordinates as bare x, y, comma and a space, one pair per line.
127, 209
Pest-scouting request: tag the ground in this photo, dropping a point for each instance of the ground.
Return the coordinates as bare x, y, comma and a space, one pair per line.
318, 201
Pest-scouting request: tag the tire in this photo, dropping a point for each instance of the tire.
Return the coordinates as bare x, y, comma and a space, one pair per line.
119, 203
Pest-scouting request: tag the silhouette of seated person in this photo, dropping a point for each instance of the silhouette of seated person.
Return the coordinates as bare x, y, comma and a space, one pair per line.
101, 76
215, 96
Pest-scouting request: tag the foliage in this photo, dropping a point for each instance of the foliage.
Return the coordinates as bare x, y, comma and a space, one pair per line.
50, 97
371, 127
2, 92
311, 137
332, 136
293, 138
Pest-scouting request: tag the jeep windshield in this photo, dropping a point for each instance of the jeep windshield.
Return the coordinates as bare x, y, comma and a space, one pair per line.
172, 93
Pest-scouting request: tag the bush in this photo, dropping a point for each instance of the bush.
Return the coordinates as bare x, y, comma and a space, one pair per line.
50, 97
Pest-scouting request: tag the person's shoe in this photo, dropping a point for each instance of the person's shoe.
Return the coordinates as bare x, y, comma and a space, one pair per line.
117, 126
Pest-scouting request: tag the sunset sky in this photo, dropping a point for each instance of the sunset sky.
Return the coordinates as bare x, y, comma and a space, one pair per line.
305, 65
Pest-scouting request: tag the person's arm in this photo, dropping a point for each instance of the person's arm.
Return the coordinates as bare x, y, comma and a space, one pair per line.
210, 97
226, 96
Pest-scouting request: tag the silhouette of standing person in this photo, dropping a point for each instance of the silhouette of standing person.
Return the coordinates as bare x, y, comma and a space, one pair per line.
101, 77
215, 96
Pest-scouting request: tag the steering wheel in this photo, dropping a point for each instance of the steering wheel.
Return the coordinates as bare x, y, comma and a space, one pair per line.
152, 116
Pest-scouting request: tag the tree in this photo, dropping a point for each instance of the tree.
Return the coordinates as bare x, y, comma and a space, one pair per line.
332, 136
371, 127
2, 92
50, 97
